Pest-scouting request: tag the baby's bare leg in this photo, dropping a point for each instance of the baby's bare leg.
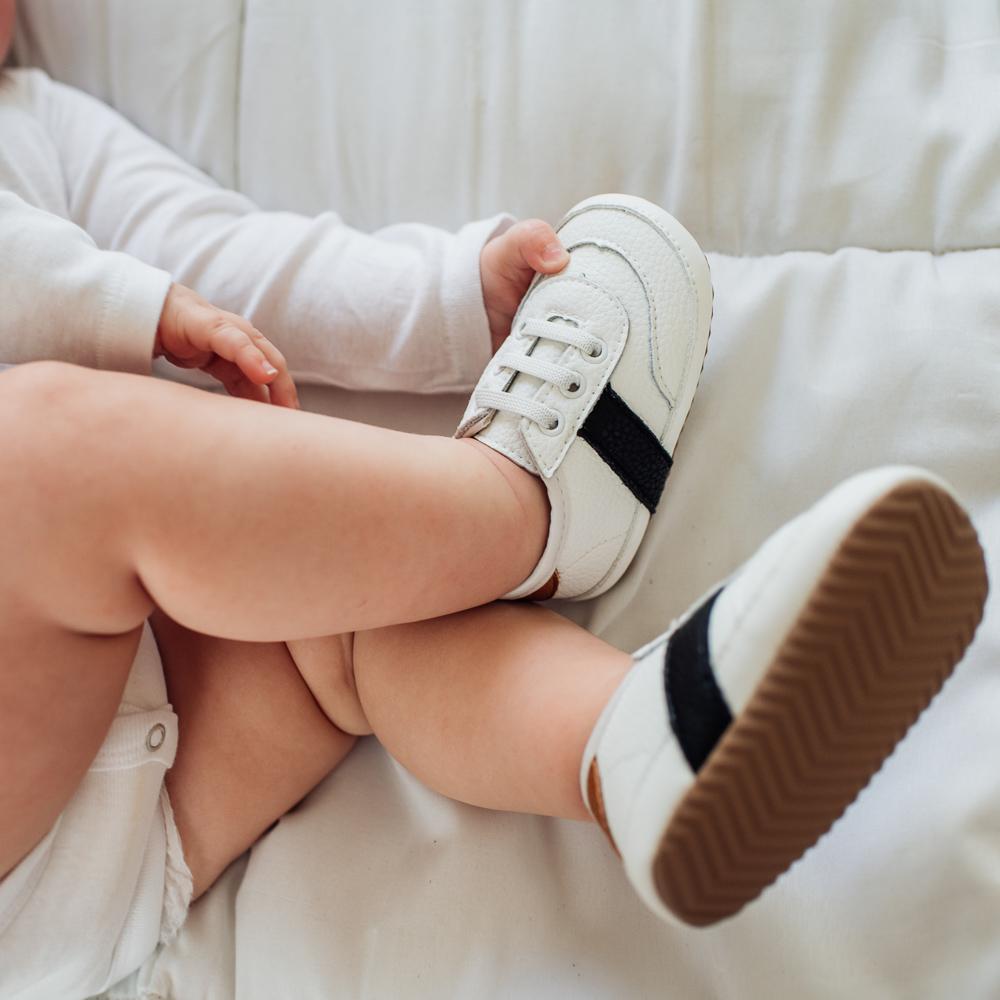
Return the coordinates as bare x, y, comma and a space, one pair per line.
253, 522
252, 742
492, 706
119, 493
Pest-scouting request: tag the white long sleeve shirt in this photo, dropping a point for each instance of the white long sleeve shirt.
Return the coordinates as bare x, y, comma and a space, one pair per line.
96, 220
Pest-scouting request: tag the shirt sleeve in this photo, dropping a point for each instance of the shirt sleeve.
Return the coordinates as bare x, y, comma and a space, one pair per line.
64, 299
399, 309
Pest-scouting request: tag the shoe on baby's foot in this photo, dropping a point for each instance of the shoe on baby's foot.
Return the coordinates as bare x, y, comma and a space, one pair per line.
744, 732
593, 385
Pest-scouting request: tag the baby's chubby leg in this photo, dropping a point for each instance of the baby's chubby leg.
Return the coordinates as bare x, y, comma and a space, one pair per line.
250, 522
120, 494
737, 737
492, 706
253, 741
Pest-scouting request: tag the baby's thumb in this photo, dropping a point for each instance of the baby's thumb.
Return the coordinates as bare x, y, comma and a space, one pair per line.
539, 247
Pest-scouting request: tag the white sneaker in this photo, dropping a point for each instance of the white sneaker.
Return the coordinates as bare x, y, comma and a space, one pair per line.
593, 385
743, 733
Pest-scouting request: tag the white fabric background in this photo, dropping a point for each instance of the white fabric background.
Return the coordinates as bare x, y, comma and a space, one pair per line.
788, 137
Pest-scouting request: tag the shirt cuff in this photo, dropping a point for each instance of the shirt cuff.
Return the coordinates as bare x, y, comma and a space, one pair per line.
467, 329
131, 316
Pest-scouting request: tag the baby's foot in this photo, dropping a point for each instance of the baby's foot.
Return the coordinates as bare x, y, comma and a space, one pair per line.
743, 733
593, 385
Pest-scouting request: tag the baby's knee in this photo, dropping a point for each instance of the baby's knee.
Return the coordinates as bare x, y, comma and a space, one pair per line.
327, 666
36, 388
34, 399
45, 406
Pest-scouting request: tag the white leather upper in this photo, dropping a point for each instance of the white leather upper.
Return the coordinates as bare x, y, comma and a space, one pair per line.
585, 304
668, 288
643, 773
637, 281
759, 605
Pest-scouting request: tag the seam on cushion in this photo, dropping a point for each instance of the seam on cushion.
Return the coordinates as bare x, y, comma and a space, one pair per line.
848, 246
238, 96
476, 70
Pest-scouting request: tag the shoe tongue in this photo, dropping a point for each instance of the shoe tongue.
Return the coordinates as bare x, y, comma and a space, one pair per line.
505, 428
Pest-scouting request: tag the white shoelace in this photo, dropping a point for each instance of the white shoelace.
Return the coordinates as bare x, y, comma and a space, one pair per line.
565, 379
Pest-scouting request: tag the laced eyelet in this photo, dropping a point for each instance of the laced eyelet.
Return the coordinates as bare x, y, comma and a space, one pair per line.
555, 428
575, 388
598, 355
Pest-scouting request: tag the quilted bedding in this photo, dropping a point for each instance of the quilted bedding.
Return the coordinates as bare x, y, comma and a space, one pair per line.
840, 162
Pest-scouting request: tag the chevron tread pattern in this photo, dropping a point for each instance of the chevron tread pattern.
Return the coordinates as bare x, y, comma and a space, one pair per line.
888, 621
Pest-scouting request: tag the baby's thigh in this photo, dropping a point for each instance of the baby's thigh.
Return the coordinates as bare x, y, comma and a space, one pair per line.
252, 742
59, 692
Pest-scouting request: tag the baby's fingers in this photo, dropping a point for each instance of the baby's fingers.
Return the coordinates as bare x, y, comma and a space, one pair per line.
235, 340
234, 381
232, 343
283, 391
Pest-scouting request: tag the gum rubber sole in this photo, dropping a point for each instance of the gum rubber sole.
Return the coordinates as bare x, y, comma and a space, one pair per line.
892, 614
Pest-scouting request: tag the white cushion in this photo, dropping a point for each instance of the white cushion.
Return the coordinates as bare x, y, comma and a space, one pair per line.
769, 130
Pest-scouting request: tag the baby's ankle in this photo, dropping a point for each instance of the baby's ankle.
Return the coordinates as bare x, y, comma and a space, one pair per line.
531, 495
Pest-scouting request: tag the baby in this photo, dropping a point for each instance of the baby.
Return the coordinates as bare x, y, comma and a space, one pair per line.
291, 582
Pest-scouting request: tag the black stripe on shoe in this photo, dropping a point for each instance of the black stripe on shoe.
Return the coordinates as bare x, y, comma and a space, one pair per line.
698, 711
628, 446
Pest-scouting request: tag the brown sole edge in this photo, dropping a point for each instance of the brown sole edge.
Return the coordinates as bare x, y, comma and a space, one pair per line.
891, 616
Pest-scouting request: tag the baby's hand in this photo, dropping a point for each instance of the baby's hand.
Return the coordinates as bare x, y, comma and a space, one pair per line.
194, 334
507, 265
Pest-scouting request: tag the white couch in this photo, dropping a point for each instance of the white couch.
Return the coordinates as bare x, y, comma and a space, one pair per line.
841, 163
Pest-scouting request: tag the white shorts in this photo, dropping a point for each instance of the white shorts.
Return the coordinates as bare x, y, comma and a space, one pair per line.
108, 883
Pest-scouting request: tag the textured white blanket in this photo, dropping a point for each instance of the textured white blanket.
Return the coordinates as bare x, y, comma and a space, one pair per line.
840, 160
